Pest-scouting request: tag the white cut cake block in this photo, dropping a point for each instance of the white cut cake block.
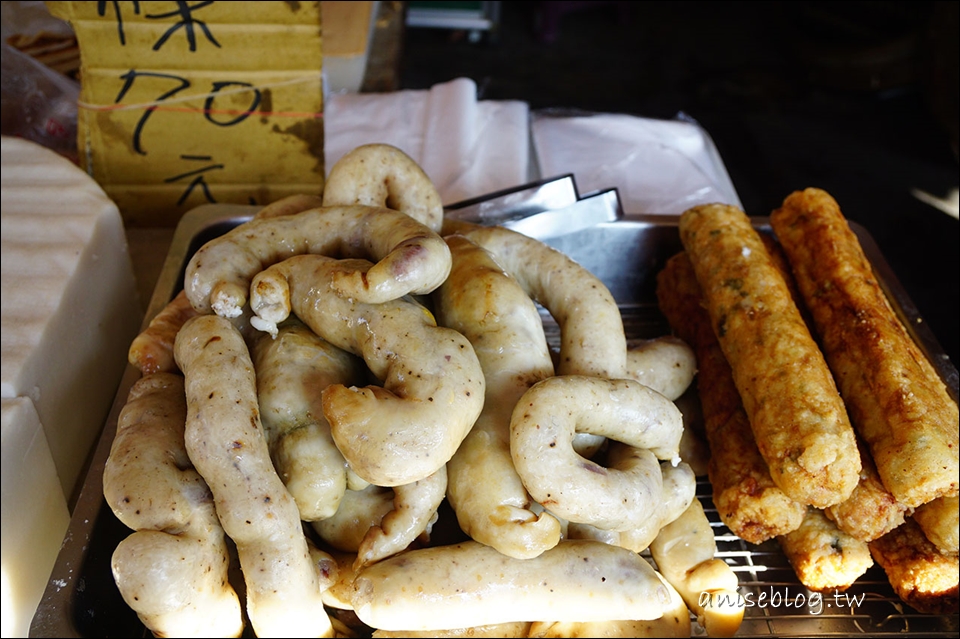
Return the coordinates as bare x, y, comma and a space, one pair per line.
35, 516
69, 305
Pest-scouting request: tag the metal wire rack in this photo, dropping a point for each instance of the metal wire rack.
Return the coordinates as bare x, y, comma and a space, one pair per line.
777, 604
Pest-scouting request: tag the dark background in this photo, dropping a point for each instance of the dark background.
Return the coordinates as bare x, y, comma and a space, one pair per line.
858, 98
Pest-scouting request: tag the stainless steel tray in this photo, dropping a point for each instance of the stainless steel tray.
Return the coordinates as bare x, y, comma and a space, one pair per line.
81, 598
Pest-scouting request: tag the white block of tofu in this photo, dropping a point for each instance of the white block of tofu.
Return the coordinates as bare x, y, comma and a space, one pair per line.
69, 299
35, 516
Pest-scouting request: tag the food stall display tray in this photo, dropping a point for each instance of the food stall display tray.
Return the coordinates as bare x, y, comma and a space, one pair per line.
82, 600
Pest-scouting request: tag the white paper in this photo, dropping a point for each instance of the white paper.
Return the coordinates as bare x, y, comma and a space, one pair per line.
467, 147
450, 130
657, 166
353, 119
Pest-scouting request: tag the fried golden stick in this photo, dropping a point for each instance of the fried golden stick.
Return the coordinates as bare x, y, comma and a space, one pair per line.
898, 403
823, 556
747, 499
938, 520
797, 416
922, 577
871, 511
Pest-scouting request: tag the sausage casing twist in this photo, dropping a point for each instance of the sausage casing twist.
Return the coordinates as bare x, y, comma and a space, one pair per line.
488, 306
226, 442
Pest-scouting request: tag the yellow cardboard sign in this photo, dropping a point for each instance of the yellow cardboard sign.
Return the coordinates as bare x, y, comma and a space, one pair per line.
188, 103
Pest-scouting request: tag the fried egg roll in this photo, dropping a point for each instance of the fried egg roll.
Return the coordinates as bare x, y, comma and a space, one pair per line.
749, 503
823, 556
797, 416
922, 576
895, 398
938, 520
871, 511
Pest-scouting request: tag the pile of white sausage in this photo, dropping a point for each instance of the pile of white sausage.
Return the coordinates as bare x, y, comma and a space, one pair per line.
351, 362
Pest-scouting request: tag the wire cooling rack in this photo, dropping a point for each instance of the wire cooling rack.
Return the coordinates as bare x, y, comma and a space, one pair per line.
777, 604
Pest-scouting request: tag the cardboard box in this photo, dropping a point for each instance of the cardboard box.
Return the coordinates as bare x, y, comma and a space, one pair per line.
184, 104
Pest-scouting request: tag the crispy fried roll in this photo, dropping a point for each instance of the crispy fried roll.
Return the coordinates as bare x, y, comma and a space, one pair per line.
798, 418
922, 577
898, 403
938, 520
823, 556
871, 511
751, 505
